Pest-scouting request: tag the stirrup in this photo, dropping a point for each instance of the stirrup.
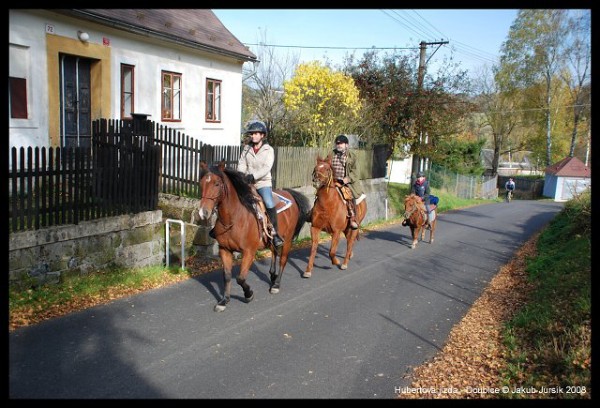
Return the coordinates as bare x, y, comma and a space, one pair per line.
277, 241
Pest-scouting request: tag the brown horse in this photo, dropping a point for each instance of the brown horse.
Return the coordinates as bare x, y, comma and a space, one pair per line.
330, 214
240, 225
416, 218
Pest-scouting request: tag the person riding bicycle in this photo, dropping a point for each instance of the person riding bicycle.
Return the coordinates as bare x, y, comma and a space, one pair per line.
256, 161
344, 168
421, 188
509, 186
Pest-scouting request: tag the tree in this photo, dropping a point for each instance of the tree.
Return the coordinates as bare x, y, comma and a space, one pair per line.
578, 54
323, 102
498, 109
263, 91
401, 108
531, 55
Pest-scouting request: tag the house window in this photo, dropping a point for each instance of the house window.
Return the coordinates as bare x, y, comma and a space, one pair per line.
213, 100
171, 98
17, 91
18, 80
127, 91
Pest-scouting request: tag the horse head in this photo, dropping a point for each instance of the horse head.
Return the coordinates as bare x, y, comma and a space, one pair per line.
413, 205
212, 186
322, 174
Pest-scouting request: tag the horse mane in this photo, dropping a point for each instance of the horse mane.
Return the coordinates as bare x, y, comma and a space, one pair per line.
241, 187
414, 197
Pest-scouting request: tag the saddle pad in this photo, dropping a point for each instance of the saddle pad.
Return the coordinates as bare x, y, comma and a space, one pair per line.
359, 199
281, 203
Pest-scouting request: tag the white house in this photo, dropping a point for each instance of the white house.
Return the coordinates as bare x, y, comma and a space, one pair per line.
566, 179
67, 68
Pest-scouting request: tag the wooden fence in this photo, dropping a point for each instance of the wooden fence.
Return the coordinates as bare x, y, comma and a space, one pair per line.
526, 188
57, 186
129, 163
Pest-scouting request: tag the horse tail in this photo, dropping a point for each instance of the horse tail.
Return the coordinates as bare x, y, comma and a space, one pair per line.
304, 209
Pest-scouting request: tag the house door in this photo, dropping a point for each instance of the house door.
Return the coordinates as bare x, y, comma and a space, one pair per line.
75, 118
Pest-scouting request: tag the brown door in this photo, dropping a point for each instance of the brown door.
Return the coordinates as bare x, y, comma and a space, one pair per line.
75, 118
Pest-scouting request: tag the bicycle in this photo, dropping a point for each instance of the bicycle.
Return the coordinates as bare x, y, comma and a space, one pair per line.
509, 196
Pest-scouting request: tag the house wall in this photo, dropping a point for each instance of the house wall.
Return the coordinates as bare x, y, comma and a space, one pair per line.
37, 49
564, 188
399, 170
550, 186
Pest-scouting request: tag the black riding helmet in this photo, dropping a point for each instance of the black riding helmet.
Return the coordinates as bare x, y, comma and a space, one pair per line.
420, 174
341, 139
256, 126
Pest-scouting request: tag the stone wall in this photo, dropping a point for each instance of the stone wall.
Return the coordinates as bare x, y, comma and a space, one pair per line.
44, 255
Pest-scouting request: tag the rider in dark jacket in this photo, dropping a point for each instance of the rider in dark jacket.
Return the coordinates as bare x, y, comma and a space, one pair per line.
421, 188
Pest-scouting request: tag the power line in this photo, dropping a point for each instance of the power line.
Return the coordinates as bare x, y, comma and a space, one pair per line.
332, 48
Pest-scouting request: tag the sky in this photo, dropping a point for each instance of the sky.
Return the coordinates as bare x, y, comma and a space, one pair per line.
474, 35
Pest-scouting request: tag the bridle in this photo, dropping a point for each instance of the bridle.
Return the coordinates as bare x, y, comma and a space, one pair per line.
217, 198
320, 178
221, 190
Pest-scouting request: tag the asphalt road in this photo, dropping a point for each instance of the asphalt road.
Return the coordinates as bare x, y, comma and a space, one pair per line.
340, 334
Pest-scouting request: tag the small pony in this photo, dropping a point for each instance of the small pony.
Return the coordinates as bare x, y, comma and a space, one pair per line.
415, 217
330, 214
241, 224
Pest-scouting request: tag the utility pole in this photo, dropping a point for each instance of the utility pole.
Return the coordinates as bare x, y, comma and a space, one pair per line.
417, 160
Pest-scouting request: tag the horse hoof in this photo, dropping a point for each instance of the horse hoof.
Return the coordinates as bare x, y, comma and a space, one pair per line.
307, 275
274, 290
343, 266
250, 299
220, 308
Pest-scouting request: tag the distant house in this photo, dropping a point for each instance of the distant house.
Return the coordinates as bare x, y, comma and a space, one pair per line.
567, 178
178, 67
517, 164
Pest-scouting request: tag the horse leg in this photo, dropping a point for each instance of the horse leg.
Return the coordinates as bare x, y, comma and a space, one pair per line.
247, 259
335, 240
227, 259
432, 232
314, 238
273, 268
350, 237
414, 231
276, 281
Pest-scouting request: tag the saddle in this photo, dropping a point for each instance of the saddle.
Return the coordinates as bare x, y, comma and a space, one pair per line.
281, 204
346, 193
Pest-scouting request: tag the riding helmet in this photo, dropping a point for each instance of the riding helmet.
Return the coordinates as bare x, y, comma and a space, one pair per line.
341, 139
257, 126
420, 174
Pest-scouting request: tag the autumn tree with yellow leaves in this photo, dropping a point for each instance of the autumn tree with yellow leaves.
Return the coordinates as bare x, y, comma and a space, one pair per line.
322, 102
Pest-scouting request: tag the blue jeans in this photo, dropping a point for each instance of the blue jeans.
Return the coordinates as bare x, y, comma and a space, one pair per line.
267, 195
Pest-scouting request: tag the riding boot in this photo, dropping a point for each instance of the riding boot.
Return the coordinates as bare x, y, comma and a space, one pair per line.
352, 214
272, 213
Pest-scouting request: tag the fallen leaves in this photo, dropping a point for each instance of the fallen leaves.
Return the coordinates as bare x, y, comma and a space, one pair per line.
472, 359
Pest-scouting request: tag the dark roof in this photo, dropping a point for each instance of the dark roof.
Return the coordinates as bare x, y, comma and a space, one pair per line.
569, 166
196, 28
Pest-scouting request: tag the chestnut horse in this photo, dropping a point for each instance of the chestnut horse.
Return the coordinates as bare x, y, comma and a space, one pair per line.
416, 218
240, 225
330, 214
